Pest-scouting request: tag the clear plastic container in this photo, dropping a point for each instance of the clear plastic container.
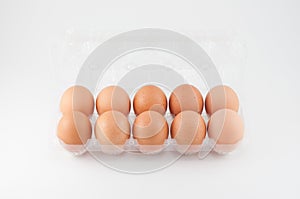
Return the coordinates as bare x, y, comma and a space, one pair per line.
166, 59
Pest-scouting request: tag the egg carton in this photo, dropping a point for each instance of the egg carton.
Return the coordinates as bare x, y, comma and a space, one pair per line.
148, 67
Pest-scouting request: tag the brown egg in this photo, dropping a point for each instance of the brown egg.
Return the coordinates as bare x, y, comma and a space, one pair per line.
185, 97
225, 127
112, 128
74, 128
221, 97
188, 128
113, 98
150, 128
77, 98
150, 98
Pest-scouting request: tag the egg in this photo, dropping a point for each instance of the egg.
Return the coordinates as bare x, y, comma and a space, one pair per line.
221, 97
150, 98
112, 128
225, 127
113, 98
74, 128
150, 128
185, 97
77, 98
188, 128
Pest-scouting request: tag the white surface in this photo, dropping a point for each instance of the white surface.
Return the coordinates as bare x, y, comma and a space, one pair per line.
32, 166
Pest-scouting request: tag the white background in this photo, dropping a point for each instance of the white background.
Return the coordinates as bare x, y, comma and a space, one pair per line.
33, 166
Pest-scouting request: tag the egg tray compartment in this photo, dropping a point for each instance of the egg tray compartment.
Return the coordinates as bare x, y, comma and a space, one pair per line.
132, 146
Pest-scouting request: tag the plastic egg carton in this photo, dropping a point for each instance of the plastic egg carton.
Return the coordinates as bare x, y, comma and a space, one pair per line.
161, 68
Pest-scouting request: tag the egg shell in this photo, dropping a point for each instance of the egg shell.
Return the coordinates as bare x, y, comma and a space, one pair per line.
221, 97
74, 128
150, 97
77, 98
113, 98
150, 128
188, 128
225, 127
185, 97
112, 128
